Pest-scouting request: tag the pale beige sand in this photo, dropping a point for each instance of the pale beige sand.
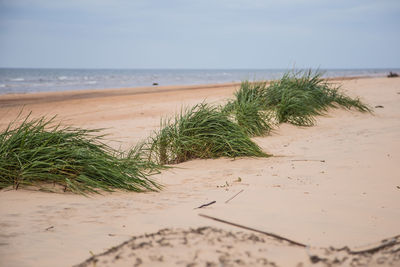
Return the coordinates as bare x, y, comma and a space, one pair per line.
352, 198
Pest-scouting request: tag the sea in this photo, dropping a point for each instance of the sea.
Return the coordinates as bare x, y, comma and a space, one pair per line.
23, 80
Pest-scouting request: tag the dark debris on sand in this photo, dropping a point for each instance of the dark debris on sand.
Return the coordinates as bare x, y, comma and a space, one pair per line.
392, 75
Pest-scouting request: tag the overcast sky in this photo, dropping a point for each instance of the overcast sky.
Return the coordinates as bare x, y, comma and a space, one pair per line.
200, 33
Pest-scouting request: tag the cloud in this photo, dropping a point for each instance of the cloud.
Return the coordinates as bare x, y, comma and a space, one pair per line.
181, 33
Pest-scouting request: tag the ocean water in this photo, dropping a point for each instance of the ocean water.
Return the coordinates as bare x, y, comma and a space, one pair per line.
46, 80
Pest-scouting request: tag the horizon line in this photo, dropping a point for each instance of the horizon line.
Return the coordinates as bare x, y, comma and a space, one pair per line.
275, 68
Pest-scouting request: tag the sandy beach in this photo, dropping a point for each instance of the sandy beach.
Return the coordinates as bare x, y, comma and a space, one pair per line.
329, 186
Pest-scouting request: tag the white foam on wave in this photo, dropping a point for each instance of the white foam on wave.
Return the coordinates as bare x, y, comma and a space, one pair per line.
62, 78
17, 80
2, 85
91, 82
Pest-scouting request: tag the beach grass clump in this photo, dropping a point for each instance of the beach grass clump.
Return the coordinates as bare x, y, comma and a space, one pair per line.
200, 132
39, 153
248, 109
251, 91
300, 96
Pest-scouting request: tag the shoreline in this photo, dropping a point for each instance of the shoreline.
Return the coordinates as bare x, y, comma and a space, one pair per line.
9, 100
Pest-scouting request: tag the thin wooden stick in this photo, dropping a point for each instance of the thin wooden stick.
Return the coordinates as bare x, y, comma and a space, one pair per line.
234, 196
205, 205
320, 160
383, 244
256, 230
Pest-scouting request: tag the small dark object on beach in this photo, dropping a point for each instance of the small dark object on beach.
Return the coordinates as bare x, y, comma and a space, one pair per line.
155, 84
320, 160
234, 195
379, 106
392, 75
205, 205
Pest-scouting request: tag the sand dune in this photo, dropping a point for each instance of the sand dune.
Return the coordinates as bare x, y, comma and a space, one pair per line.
335, 184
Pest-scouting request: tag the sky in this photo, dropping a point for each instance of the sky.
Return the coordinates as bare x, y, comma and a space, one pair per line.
211, 34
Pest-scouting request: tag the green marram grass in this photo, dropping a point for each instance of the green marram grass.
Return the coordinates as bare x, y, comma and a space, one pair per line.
200, 132
300, 96
39, 153
248, 109
297, 98
251, 91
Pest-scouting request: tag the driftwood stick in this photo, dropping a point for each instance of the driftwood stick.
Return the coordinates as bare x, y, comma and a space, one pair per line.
205, 205
256, 230
49, 228
234, 196
383, 244
319, 160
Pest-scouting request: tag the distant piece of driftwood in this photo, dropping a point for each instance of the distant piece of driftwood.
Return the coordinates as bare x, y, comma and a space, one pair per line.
392, 75
234, 196
205, 205
382, 244
320, 160
256, 230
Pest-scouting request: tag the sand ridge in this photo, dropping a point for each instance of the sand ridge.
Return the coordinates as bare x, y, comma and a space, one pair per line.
208, 246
